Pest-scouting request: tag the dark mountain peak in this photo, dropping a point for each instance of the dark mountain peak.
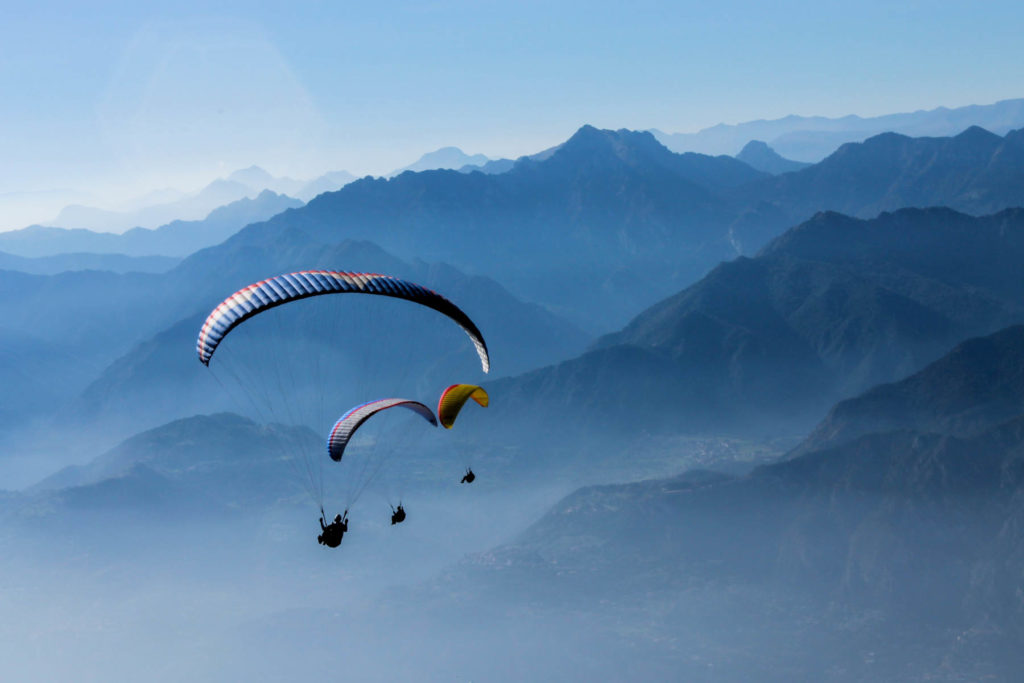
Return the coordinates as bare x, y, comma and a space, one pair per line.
974, 140
640, 151
589, 141
817, 228
887, 139
585, 132
974, 136
1015, 137
874, 147
760, 156
978, 135
754, 150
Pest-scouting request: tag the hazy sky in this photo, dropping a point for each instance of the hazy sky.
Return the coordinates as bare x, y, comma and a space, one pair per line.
106, 100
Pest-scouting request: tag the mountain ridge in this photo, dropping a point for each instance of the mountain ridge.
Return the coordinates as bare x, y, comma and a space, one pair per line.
812, 138
830, 308
177, 238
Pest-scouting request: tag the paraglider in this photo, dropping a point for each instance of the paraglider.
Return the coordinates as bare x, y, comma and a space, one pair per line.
275, 291
348, 423
270, 376
454, 397
450, 403
397, 515
331, 534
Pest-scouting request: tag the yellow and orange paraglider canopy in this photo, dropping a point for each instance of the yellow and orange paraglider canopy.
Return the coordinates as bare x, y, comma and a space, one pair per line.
454, 397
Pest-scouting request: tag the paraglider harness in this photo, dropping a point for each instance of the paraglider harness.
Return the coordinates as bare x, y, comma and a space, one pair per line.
332, 533
469, 477
397, 514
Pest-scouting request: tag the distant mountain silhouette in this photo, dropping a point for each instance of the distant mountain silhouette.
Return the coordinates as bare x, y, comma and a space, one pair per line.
166, 206
451, 158
260, 180
254, 176
491, 167
975, 171
827, 310
812, 138
760, 156
190, 207
177, 238
115, 263
328, 182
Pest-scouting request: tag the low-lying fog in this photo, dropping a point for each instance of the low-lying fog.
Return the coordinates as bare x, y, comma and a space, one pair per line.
105, 597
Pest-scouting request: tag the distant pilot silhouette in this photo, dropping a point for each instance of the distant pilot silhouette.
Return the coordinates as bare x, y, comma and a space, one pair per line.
469, 477
397, 514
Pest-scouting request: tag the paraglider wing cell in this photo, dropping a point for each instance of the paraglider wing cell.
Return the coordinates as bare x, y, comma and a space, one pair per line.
282, 289
454, 397
348, 423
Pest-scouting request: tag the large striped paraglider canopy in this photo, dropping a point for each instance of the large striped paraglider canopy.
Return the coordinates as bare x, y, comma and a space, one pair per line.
348, 423
275, 291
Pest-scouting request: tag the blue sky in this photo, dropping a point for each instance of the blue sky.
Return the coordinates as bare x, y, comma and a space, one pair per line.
108, 100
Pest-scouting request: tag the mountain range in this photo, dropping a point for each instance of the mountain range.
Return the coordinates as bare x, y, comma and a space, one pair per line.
974, 171
451, 158
175, 239
618, 213
169, 206
825, 311
59, 263
597, 198
614, 211
812, 138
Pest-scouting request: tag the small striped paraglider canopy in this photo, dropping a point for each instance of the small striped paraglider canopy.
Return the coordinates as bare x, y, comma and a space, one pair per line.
348, 423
